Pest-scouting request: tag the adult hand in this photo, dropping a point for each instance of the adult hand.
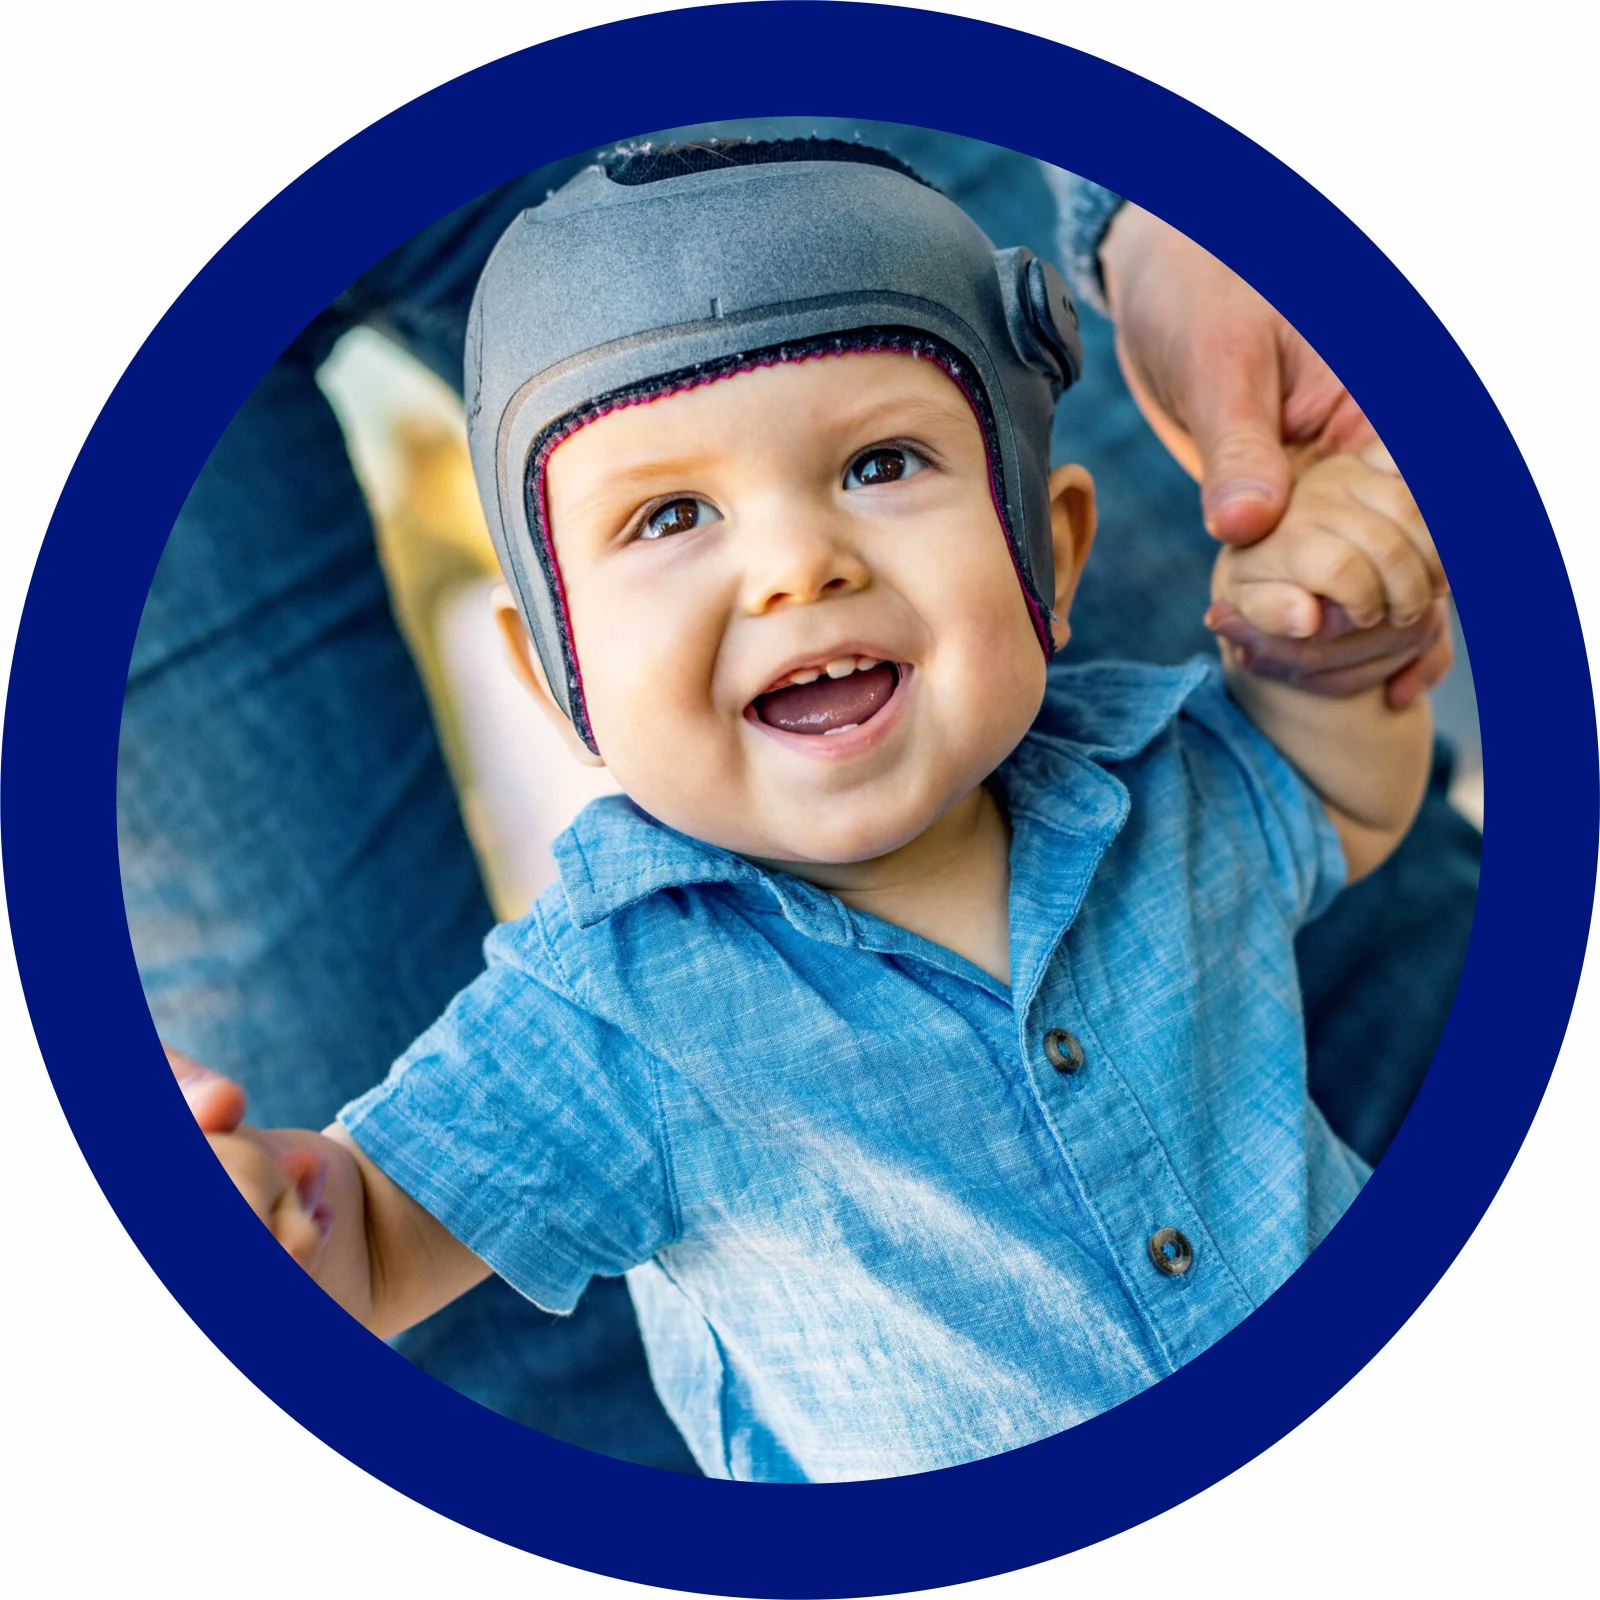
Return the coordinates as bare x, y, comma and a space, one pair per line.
1340, 658
1223, 380
1241, 401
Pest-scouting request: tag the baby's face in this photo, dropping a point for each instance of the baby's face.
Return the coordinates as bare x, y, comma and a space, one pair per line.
800, 631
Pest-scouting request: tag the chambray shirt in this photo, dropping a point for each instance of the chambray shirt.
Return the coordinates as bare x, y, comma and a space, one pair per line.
869, 1227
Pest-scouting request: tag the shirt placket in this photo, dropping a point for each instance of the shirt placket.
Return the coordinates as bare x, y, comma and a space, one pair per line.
1170, 1263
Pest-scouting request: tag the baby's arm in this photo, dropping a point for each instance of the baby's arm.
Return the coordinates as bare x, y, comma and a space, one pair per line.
1352, 535
365, 1241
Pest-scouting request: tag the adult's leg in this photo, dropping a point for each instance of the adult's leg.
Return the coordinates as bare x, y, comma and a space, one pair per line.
302, 897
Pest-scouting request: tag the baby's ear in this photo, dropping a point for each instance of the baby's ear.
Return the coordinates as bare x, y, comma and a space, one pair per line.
1072, 524
529, 671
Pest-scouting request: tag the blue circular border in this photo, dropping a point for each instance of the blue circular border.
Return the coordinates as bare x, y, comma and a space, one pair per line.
60, 749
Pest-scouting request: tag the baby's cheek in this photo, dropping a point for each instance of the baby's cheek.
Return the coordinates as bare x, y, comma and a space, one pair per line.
996, 687
991, 629
666, 745
630, 659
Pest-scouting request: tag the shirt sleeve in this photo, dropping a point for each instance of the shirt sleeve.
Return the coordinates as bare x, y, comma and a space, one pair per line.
1241, 772
1083, 214
529, 1128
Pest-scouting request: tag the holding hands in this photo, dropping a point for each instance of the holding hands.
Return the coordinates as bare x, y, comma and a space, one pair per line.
1247, 407
1349, 568
1351, 561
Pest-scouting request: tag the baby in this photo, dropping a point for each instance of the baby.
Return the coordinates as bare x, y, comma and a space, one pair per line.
920, 1034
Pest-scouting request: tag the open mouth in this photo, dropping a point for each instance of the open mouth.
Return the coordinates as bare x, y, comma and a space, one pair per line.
829, 700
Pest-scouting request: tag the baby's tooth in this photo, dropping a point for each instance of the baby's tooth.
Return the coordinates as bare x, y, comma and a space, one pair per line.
842, 667
805, 675
866, 663
849, 727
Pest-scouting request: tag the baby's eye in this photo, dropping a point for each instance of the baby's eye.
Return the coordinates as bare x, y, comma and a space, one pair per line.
679, 516
884, 463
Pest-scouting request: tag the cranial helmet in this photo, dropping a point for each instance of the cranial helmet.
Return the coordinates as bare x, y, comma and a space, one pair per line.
666, 269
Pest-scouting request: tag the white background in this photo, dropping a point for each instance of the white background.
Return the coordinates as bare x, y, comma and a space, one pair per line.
138, 138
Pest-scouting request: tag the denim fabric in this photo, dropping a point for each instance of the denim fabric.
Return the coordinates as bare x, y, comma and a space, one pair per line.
869, 1228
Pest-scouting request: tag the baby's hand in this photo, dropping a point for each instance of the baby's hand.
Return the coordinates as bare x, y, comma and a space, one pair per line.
1352, 538
278, 1173
360, 1236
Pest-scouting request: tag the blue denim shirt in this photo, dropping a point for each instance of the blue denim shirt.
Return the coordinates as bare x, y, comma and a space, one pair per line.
870, 1225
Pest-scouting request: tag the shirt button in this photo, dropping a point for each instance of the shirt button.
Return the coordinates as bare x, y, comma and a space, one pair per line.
1172, 1254
1062, 1051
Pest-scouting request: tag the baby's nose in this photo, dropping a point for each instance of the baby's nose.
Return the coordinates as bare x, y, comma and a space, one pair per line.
799, 562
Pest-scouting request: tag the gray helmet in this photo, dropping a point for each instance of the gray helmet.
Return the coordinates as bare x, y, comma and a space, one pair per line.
627, 284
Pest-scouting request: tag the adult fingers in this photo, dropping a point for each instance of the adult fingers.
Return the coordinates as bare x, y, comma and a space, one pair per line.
1438, 663
1338, 641
1317, 408
1331, 682
1338, 659
1426, 672
1233, 410
217, 1103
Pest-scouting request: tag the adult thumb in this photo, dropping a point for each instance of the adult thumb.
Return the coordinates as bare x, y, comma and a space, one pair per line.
1236, 423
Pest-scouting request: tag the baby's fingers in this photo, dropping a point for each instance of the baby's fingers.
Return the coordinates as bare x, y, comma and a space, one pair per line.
1406, 571
1385, 494
300, 1224
283, 1188
254, 1171
1284, 610
1260, 579
216, 1102
1364, 563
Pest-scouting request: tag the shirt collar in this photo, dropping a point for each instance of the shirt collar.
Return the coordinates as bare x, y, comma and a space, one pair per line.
615, 855
1065, 809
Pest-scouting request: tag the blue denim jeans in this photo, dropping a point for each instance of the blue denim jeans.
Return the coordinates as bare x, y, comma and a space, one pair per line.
301, 893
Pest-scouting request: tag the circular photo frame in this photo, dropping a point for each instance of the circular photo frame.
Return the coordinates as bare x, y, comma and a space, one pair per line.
588, 1510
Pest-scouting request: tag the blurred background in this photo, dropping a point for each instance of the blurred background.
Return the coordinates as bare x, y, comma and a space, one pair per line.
518, 786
